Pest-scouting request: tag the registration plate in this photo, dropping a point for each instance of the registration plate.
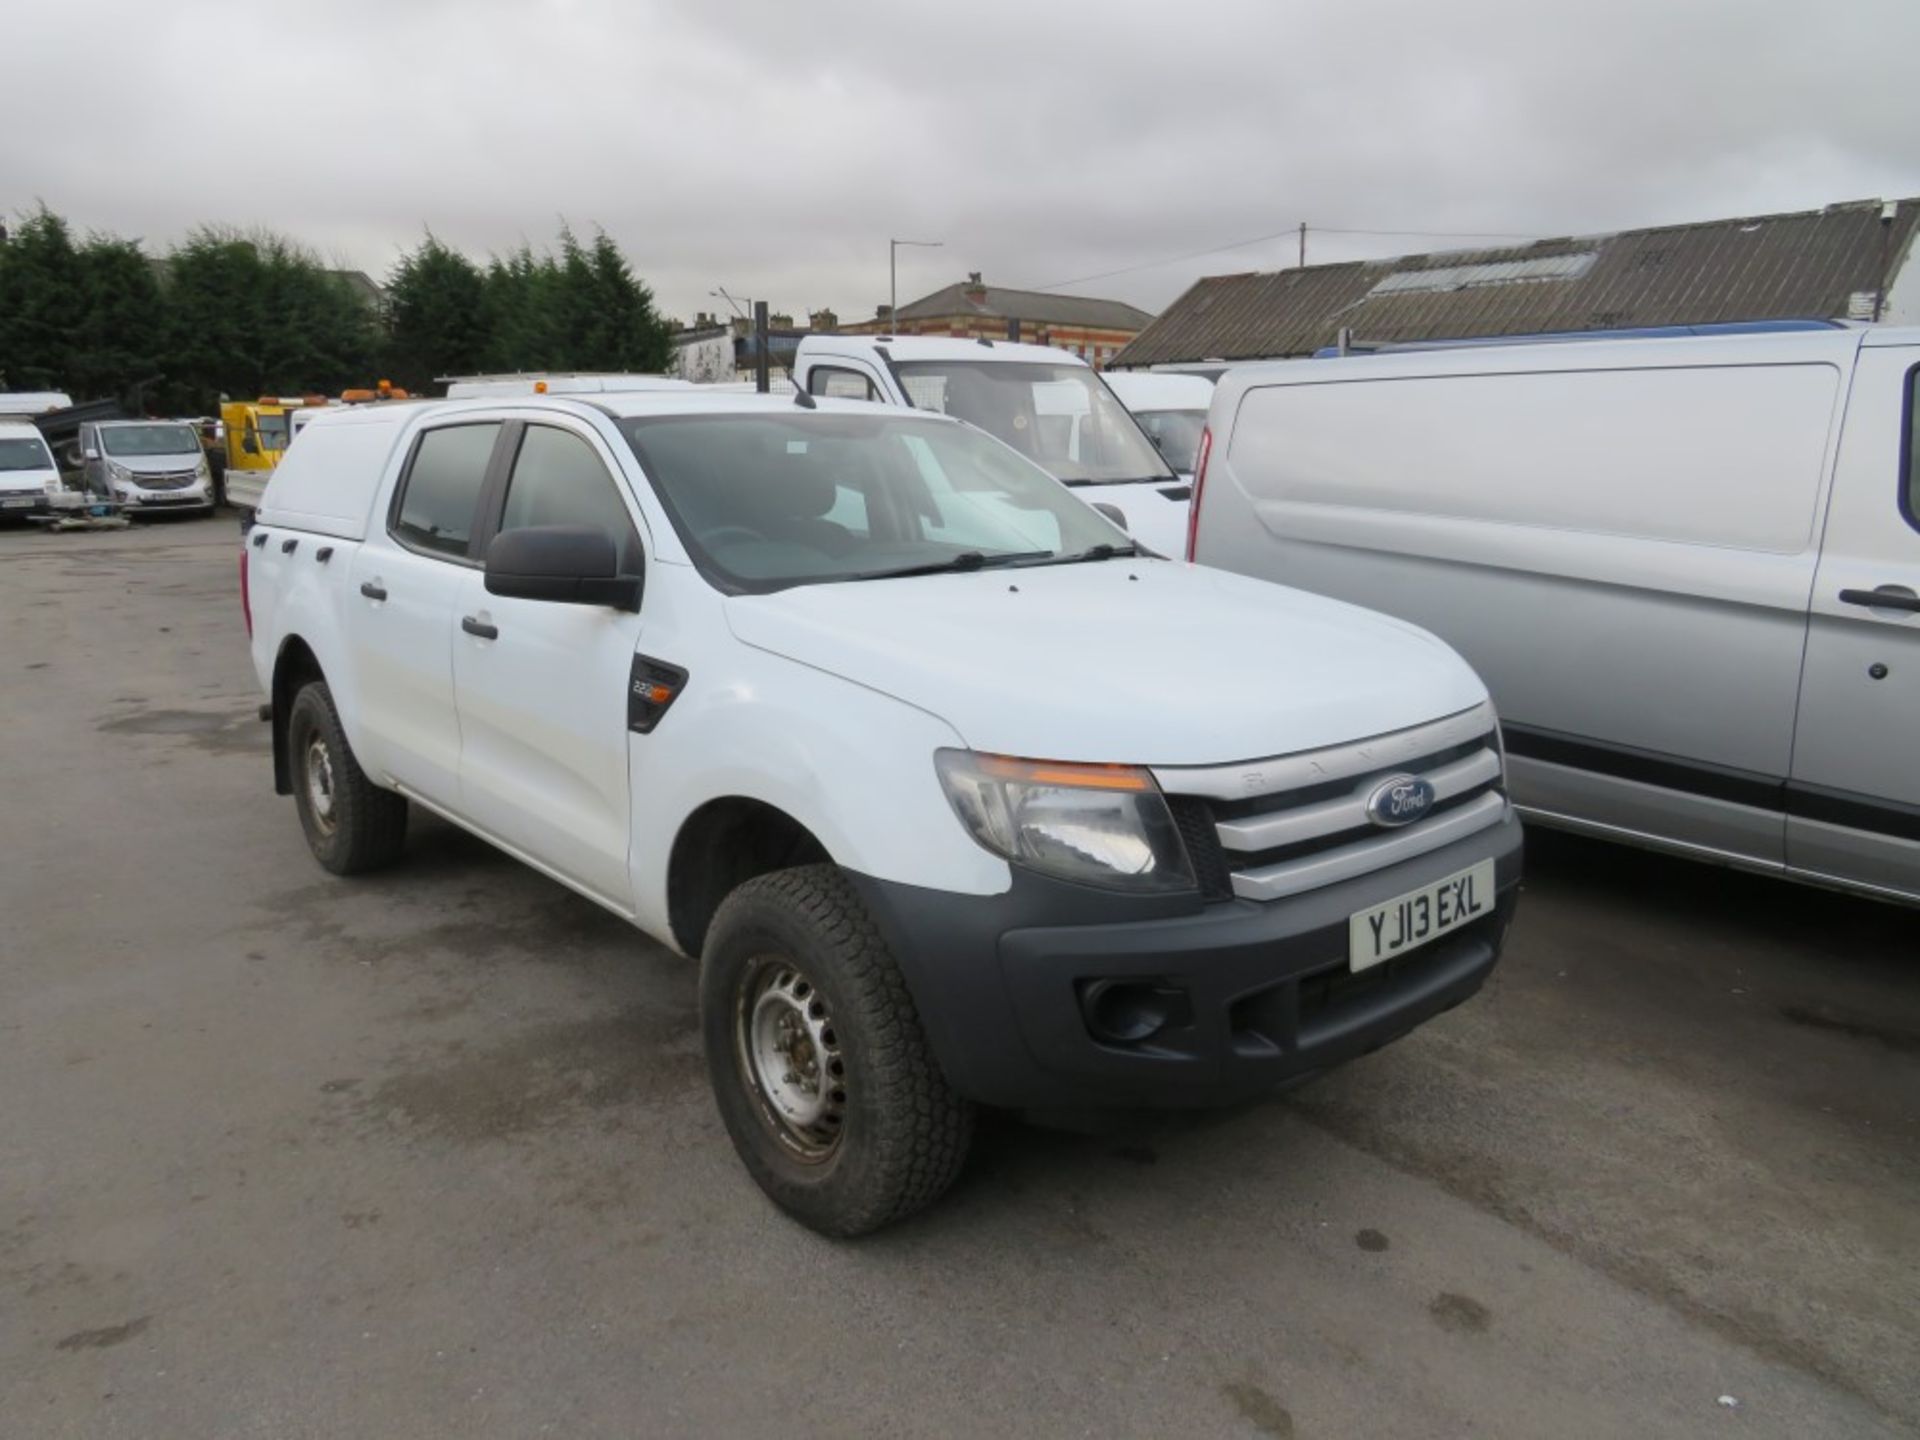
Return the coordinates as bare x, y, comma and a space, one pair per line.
16, 504
1411, 920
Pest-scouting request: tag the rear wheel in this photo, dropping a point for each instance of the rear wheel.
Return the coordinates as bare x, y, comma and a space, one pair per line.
351, 824
819, 1062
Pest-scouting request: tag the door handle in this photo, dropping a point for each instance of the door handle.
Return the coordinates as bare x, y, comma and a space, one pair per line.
1887, 597
373, 590
479, 627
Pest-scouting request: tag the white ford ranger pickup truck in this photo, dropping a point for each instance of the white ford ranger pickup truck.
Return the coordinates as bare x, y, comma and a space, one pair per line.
956, 799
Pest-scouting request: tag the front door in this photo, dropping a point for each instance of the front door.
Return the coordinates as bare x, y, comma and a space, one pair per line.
542, 686
1854, 803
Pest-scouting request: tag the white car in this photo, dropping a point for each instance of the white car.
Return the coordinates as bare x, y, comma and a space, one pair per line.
29, 479
1172, 409
1047, 404
954, 798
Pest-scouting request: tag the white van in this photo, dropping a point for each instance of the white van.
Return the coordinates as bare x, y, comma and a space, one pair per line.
1688, 569
29, 480
1172, 409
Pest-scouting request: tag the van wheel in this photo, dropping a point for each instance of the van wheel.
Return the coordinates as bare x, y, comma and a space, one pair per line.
818, 1059
351, 823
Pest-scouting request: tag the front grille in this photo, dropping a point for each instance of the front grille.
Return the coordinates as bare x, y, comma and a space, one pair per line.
168, 480
1272, 828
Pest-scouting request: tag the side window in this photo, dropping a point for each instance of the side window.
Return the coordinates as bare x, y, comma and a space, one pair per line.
837, 384
559, 480
1910, 496
442, 489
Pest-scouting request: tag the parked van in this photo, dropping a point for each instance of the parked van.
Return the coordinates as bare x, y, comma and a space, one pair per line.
29, 480
1688, 569
1172, 409
1045, 403
146, 466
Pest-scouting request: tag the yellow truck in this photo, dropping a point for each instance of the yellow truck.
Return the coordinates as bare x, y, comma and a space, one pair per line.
259, 431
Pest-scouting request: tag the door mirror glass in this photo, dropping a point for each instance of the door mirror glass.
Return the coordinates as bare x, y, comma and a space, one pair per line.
565, 564
90, 453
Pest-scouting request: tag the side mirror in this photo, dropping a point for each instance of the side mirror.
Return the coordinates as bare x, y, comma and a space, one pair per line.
250, 445
1112, 511
566, 564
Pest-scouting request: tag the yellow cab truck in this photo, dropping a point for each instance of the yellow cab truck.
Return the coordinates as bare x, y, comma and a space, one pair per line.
259, 431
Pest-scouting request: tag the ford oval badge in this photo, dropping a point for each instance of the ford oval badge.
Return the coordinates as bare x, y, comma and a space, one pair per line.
1400, 800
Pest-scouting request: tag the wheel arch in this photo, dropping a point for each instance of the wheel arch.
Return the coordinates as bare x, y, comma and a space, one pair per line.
721, 845
294, 666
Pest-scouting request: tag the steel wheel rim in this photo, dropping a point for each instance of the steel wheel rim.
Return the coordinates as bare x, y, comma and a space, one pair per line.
319, 775
789, 1054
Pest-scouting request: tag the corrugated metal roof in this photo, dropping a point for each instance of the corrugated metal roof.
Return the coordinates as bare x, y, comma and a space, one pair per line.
1770, 267
1036, 307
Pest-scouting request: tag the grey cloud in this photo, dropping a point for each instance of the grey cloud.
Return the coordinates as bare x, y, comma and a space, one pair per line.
773, 148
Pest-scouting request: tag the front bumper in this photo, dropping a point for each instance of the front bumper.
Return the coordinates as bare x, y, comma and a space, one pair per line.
157, 501
18, 507
1258, 994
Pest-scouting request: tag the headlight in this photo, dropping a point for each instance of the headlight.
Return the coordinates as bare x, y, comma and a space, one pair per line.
119, 471
53, 486
1102, 825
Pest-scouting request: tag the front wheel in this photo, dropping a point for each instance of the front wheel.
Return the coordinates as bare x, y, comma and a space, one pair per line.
819, 1062
351, 824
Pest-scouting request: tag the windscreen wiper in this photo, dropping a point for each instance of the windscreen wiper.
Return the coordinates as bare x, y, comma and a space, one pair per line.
1103, 551
965, 560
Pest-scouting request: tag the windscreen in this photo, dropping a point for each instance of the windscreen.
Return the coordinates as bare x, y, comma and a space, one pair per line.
1061, 417
764, 501
1176, 433
25, 453
274, 430
133, 440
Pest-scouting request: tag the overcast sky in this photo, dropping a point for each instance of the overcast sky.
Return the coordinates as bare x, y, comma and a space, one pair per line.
773, 148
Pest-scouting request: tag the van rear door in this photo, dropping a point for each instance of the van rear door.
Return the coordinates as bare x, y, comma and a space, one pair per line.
1854, 800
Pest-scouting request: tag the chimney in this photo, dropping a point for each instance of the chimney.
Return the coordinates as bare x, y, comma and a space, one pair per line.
823, 320
883, 312
976, 289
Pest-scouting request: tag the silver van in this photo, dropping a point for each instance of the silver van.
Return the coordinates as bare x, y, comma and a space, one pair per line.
147, 466
1688, 569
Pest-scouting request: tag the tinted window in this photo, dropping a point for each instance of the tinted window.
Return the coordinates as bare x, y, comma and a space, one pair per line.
559, 480
838, 384
1912, 496
443, 486
766, 500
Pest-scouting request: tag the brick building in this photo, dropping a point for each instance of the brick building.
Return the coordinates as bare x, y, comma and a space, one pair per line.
1095, 330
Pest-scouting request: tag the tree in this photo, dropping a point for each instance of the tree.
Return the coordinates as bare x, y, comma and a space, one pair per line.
256, 314
436, 316
41, 289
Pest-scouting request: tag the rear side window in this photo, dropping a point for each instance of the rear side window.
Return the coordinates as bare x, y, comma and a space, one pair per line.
838, 384
1910, 491
559, 480
442, 489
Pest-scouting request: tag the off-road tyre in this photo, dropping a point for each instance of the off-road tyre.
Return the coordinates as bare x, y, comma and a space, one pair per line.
365, 826
902, 1133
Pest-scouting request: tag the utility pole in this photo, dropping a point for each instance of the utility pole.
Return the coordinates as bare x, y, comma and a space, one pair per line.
893, 275
1303, 244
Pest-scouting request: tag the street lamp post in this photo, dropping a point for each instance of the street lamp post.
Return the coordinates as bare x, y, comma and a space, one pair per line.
893, 275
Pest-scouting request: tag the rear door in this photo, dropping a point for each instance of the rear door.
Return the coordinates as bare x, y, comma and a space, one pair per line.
542, 686
1854, 801
405, 582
